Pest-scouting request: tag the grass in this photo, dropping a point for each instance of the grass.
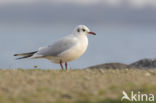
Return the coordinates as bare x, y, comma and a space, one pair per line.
73, 86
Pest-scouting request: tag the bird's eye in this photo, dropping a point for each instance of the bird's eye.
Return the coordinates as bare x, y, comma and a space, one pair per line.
78, 30
83, 30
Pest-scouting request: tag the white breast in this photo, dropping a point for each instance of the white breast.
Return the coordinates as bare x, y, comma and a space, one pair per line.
73, 53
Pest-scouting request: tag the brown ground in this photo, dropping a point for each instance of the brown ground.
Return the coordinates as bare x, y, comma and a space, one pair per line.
73, 86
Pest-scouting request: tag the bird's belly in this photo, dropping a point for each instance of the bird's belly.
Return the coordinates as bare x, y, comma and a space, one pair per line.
70, 54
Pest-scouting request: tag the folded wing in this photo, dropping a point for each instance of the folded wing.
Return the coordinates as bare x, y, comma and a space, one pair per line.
58, 47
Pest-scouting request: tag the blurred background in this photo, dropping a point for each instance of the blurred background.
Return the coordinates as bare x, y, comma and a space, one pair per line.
126, 29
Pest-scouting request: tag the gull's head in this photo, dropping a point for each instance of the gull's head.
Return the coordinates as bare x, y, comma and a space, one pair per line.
83, 30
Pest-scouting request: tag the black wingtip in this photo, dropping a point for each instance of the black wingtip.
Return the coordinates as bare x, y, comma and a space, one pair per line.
15, 54
21, 58
18, 58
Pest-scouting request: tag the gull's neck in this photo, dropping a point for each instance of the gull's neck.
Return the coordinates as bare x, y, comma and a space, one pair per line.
80, 34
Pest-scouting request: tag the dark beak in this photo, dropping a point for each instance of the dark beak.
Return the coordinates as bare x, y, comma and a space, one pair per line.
92, 33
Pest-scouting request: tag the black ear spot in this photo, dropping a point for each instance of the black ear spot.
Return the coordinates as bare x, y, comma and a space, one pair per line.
78, 30
83, 30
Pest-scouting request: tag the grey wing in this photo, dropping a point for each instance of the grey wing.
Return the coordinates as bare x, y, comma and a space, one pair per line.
58, 47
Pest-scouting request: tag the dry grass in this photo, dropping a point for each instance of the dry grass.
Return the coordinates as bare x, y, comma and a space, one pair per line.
74, 86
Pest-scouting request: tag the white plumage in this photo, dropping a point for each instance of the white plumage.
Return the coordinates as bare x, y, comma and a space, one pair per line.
64, 50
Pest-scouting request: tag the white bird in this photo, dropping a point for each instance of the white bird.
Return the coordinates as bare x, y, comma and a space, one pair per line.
64, 50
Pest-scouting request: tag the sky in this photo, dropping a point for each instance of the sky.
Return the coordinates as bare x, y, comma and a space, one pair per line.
126, 28
69, 11
78, 11
86, 2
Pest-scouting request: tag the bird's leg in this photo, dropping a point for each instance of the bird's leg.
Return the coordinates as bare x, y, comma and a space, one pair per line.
66, 65
61, 64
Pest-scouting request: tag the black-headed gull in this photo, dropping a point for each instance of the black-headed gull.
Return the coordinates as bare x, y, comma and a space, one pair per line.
64, 50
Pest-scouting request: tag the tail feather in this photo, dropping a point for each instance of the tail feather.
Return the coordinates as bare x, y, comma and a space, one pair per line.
25, 55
